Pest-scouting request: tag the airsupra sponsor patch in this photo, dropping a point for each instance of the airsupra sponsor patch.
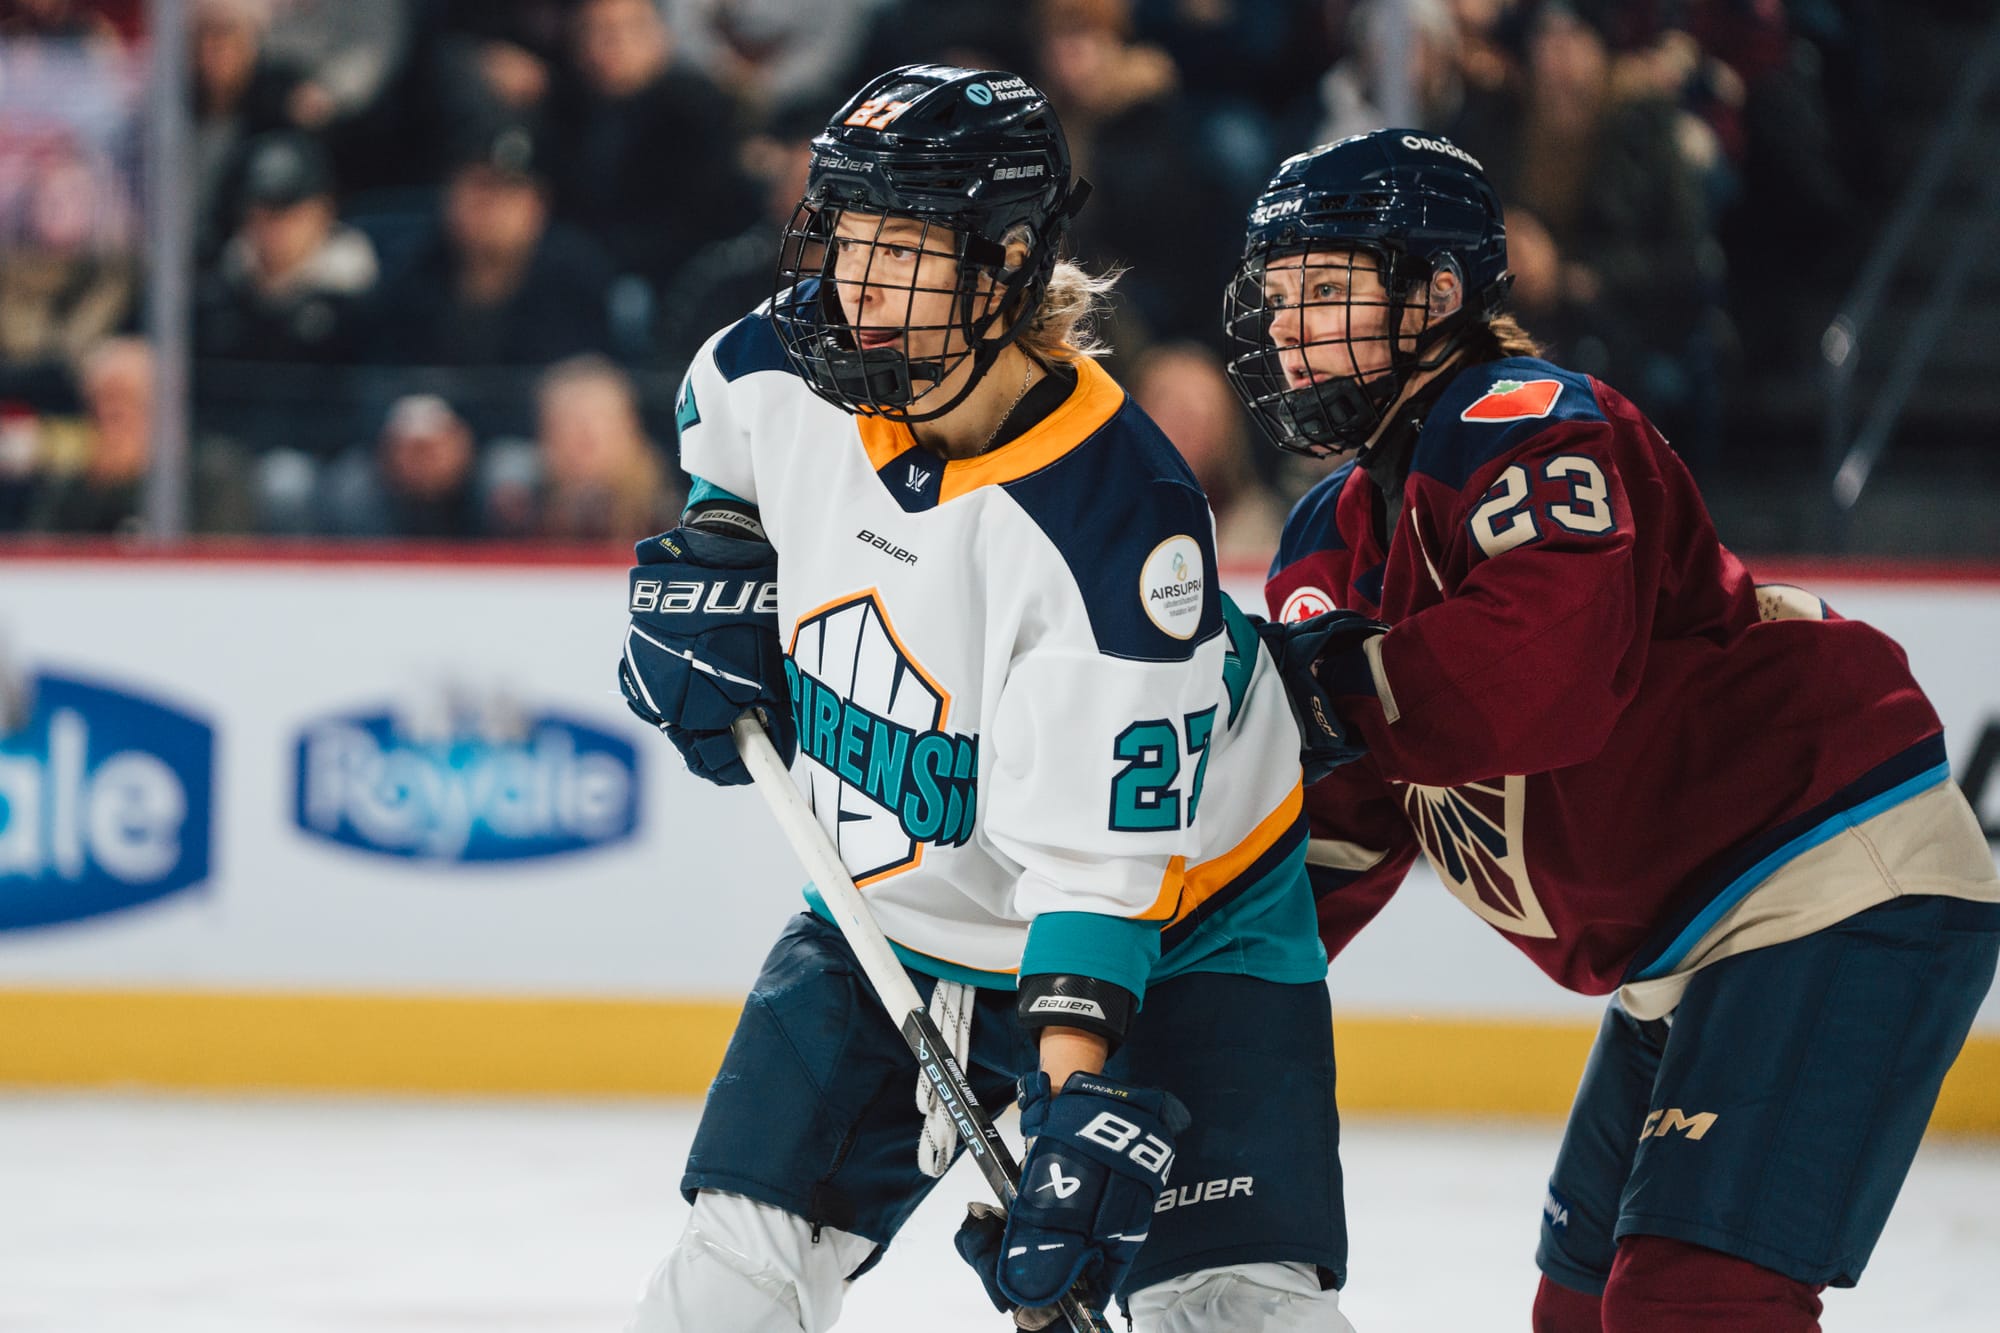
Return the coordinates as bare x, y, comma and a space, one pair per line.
1171, 586
1515, 400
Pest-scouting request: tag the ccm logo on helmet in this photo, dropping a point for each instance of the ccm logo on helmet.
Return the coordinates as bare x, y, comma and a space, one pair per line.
1283, 208
1441, 146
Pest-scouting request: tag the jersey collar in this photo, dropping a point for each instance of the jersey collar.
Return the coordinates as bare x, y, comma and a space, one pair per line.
1094, 401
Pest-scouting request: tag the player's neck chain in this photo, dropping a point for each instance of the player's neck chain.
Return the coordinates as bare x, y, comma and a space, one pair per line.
1027, 374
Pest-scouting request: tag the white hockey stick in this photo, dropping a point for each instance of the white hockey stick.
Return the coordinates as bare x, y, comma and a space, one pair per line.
885, 973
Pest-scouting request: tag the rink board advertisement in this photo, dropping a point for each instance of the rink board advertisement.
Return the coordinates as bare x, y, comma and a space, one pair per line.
292, 822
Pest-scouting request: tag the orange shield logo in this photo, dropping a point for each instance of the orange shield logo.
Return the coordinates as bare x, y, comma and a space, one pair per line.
1515, 400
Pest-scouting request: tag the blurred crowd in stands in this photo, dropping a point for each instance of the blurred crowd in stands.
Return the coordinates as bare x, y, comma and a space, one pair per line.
451, 256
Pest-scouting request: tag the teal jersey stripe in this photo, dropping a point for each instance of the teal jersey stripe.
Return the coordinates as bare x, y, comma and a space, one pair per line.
1268, 931
922, 962
704, 491
1091, 944
1740, 888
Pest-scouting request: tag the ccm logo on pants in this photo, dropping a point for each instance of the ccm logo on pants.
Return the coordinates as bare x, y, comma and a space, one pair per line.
1661, 1123
1205, 1191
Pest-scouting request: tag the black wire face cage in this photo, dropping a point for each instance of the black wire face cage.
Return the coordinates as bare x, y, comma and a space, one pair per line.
878, 360
1299, 337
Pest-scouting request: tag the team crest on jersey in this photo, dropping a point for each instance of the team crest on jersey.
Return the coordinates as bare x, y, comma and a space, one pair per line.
1304, 603
1515, 400
1472, 837
873, 722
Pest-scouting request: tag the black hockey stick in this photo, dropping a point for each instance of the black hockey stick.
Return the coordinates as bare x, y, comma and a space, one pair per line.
892, 984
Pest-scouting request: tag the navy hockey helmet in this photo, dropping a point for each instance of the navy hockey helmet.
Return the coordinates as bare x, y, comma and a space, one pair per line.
1317, 363
956, 165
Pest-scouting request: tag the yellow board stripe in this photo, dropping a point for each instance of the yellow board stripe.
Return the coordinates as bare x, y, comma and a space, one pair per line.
254, 1041
360, 1043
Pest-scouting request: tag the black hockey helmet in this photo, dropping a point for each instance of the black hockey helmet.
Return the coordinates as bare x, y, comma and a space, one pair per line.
977, 159
1409, 205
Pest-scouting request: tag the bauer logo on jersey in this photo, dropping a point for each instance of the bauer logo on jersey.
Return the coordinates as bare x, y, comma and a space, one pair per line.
1170, 586
1515, 400
1304, 603
503, 786
888, 777
105, 800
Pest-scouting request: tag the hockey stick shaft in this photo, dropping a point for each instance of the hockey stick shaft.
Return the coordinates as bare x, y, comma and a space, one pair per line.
885, 973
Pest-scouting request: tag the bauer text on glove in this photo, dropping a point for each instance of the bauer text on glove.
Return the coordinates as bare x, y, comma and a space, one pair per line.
702, 647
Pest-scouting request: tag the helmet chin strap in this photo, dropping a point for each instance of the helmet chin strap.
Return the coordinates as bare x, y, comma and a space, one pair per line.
1352, 409
1021, 287
887, 380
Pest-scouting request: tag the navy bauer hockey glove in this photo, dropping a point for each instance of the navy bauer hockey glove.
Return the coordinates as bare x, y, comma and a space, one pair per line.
703, 646
1318, 658
1098, 1158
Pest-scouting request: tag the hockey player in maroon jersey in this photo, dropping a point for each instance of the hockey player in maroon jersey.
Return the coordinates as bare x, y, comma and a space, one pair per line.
1513, 626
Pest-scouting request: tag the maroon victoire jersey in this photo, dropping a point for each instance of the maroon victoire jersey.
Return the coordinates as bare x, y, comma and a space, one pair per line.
1599, 729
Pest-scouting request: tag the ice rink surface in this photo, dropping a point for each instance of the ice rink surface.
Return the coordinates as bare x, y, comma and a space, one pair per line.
182, 1215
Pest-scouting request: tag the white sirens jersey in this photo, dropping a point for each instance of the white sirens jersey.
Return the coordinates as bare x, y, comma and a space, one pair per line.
1026, 718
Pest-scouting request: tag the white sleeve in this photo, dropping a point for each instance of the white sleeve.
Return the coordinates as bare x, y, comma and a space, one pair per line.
1096, 773
711, 421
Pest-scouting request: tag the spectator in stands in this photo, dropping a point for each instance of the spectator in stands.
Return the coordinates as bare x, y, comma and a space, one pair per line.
1244, 69
629, 98
496, 284
727, 279
506, 52
360, 77
349, 49
1181, 386
594, 474
67, 278
763, 51
417, 481
22, 446
55, 20
1172, 221
105, 496
1625, 211
291, 281
1351, 95
239, 93
284, 306
94, 480
1553, 298
972, 34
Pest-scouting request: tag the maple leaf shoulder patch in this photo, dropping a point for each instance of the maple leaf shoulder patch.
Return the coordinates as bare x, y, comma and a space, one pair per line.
1515, 400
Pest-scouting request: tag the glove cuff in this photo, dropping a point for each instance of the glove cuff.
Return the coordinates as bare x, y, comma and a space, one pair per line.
1060, 999
729, 520
1346, 669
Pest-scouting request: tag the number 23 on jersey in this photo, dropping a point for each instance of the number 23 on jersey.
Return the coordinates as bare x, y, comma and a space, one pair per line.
1507, 518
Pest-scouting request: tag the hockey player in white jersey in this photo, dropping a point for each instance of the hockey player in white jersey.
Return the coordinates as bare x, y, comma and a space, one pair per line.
973, 590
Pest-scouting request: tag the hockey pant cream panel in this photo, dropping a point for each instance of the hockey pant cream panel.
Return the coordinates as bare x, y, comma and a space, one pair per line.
750, 1268
1273, 1298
